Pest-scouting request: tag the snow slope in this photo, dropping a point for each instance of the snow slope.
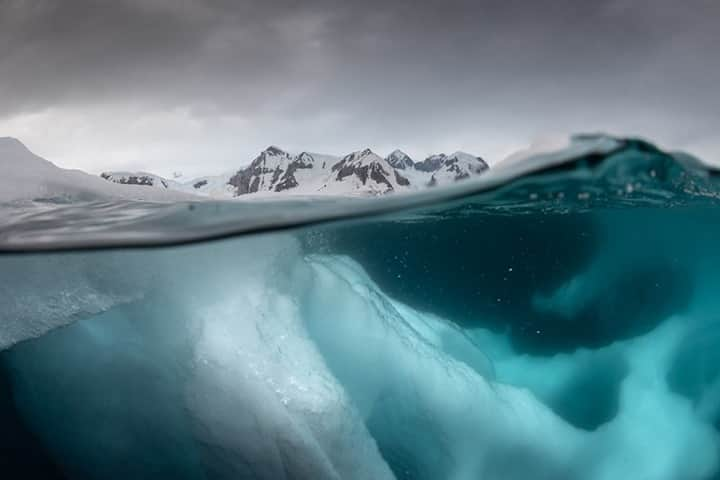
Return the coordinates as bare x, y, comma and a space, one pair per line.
28, 177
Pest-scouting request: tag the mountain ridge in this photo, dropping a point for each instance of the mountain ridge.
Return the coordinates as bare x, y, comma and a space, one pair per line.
362, 172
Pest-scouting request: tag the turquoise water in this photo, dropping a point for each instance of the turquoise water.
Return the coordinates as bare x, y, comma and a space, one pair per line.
552, 321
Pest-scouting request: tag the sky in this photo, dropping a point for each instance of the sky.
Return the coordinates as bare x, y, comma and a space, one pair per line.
201, 86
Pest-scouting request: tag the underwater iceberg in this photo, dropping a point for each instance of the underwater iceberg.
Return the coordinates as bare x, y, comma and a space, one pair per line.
558, 318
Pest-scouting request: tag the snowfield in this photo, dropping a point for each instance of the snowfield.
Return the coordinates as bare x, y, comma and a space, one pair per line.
28, 177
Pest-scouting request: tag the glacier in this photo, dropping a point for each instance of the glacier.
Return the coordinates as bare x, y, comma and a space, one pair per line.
560, 324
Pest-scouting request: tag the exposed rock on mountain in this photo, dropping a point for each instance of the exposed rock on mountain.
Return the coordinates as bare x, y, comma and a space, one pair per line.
359, 173
457, 166
431, 163
143, 179
364, 170
400, 160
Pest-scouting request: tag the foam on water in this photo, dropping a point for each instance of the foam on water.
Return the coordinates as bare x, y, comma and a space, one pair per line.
510, 334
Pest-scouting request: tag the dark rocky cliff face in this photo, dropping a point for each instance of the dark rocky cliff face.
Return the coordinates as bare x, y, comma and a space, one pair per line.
401, 180
458, 166
363, 165
142, 180
273, 170
252, 178
431, 163
452, 165
243, 179
400, 160
288, 180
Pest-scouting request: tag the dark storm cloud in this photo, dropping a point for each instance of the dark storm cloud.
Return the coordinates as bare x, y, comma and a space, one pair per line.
86, 50
387, 71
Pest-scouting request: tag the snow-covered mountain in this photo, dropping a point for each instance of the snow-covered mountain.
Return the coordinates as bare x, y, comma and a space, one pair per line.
365, 171
400, 160
275, 170
458, 166
28, 177
359, 173
140, 178
431, 163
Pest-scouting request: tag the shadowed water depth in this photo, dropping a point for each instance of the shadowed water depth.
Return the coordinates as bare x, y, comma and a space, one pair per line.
558, 320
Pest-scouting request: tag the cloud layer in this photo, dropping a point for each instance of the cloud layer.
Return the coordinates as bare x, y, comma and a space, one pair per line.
201, 85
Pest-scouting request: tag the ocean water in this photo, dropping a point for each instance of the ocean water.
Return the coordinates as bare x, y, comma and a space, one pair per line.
555, 320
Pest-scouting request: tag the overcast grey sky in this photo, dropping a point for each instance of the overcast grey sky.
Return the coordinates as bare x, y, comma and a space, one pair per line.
200, 86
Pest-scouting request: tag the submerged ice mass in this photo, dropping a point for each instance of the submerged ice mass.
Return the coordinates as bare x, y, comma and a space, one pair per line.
484, 337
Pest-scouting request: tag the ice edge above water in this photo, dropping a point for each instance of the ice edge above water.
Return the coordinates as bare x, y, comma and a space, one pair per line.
128, 224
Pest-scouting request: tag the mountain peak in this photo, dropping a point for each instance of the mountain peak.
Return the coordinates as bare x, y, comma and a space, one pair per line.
400, 160
14, 154
431, 163
476, 163
361, 156
366, 170
12, 143
274, 150
461, 154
